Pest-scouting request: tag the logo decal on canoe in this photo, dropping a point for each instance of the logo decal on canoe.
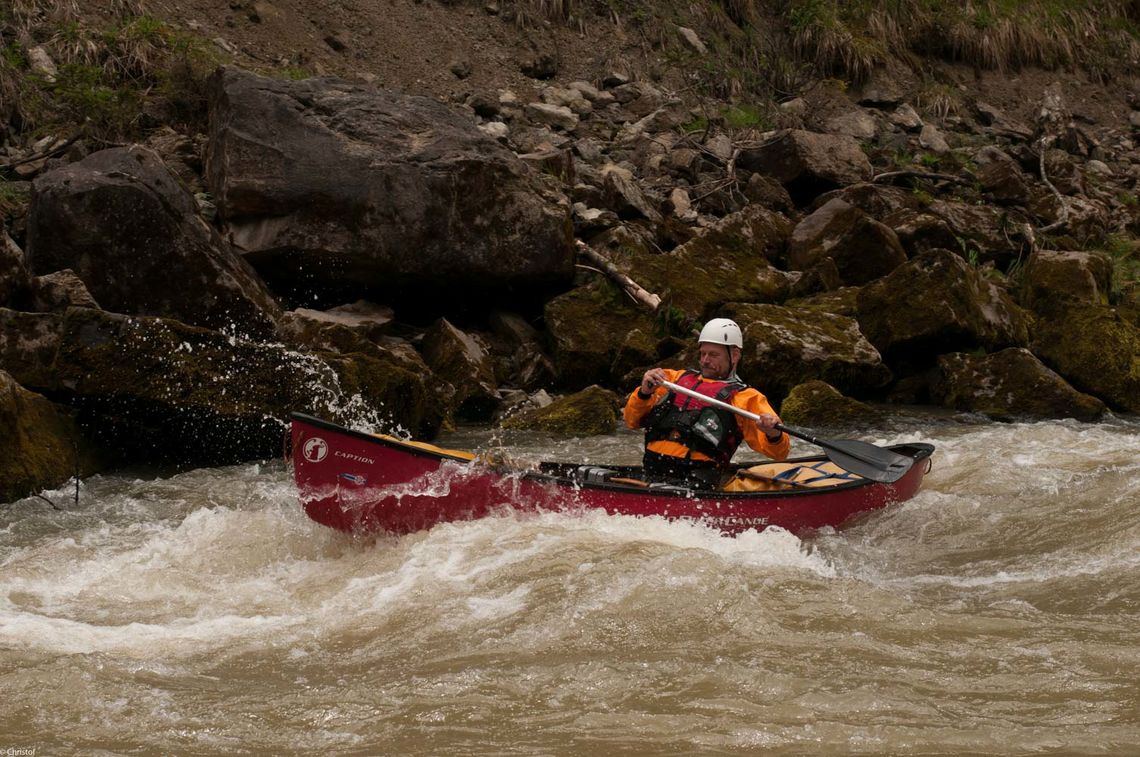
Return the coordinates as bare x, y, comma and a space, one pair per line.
315, 449
353, 478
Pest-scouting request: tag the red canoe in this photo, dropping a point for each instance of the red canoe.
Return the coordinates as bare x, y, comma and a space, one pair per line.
362, 483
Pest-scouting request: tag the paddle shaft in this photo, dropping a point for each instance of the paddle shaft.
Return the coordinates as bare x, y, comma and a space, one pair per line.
754, 417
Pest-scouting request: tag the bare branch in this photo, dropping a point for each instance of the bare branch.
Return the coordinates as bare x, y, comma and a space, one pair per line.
631, 287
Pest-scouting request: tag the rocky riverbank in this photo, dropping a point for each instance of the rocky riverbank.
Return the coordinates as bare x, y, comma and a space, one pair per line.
340, 248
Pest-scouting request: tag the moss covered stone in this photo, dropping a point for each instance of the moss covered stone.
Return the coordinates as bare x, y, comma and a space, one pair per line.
820, 405
1077, 276
1009, 385
591, 327
784, 347
934, 304
1094, 347
43, 445
590, 412
731, 262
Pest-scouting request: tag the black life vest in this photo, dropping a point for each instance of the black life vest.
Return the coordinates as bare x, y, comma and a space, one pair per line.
695, 424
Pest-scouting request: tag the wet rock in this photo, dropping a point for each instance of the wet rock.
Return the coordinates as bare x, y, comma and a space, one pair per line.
784, 347
520, 349
590, 412
807, 163
158, 389
820, 405
356, 195
862, 248
43, 444
152, 254
1094, 347
463, 360
934, 304
984, 233
1009, 385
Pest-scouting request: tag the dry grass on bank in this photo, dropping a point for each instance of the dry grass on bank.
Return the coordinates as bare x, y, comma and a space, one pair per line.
849, 38
106, 69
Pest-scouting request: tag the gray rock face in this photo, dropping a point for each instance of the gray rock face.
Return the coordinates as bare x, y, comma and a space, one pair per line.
863, 249
808, 163
122, 222
342, 188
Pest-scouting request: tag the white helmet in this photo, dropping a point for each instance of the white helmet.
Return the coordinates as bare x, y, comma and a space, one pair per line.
722, 331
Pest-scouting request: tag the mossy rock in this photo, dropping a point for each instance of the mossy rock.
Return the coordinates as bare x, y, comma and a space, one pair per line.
590, 412
1076, 276
1009, 385
784, 347
44, 446
934, 304
731, 262
820, 405
591, 328
1095, 348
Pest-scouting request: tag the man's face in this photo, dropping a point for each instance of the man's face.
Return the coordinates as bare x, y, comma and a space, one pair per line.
715, 360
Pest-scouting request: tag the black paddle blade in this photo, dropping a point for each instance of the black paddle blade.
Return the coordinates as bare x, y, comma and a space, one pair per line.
867, 460
861, 458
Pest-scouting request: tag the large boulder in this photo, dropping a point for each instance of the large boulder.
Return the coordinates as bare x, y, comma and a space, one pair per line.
937, 303
863, 249
1095, 347
808, 164
342, 188
1009, 385
160, 389
128, 228
43, 446
590, 412
1070, 275
784, 347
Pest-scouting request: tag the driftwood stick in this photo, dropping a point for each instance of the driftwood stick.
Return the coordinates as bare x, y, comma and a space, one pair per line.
890, 175
57, 149
628, 285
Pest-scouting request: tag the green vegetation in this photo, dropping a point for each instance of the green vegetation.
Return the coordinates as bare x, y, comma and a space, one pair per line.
106, 79
1125, 253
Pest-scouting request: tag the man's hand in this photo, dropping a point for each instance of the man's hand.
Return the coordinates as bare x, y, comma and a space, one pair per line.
651, 380
767, 423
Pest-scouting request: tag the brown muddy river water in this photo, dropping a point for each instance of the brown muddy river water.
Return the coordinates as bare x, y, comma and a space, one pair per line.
998, 612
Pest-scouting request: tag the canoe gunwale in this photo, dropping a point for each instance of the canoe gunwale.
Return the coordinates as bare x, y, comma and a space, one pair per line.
918, 451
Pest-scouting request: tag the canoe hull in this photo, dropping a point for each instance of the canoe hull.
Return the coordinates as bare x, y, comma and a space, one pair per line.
362, 483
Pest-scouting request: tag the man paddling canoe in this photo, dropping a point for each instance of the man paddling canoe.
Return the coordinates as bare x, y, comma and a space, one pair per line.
692, 442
